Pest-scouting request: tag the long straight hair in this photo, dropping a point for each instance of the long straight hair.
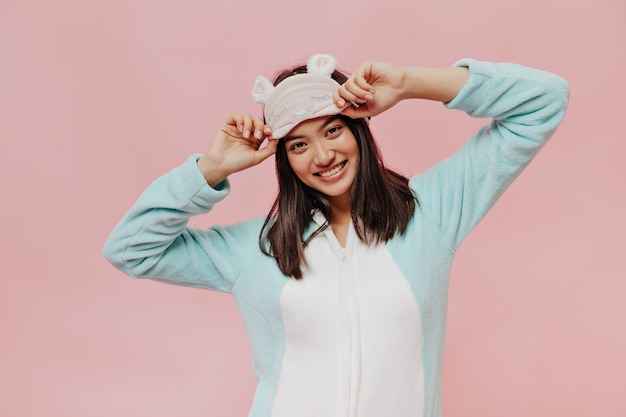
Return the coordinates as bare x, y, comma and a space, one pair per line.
382, 203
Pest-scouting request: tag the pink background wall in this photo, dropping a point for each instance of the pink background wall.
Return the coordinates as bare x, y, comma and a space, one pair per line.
97, 98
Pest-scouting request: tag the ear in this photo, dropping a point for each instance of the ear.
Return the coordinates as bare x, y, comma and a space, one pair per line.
261, 89
321, 64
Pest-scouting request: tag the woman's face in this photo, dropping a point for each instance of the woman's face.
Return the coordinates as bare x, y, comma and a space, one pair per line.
324, 155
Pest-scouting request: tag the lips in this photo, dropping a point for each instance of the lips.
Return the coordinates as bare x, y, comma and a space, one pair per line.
332, 171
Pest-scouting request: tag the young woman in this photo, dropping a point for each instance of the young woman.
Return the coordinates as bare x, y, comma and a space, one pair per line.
343, 286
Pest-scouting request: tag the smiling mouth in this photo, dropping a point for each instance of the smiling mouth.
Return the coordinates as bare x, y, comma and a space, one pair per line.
333, 170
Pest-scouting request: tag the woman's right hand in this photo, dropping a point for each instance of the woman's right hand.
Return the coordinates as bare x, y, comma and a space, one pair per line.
236, 146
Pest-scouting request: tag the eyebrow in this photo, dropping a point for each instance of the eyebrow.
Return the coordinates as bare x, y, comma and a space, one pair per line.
326, 123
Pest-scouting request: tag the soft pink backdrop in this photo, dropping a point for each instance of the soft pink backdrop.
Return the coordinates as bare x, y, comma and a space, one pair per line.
97, 98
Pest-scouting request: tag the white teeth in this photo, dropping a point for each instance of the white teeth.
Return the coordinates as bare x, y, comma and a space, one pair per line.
332, 171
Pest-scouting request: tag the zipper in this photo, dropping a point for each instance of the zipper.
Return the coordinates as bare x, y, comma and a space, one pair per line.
351, 338
353, 333
343, 268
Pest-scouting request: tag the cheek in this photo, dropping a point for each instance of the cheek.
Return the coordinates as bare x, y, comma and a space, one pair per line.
298, 165
354, 153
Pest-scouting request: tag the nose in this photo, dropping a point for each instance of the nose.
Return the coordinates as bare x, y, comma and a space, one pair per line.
324, 154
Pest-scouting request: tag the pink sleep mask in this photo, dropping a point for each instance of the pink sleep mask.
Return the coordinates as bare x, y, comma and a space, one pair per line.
299, 97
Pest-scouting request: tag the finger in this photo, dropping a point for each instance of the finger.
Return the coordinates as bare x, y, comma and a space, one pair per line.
265, 152
351, 92
340, 102
247, 125
236, 121
258, 126
345, 94
357, 112
271, 146
363, 85
361, 94
362, 75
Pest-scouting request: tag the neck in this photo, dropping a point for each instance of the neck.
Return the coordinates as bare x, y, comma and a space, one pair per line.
340, 207
341, 216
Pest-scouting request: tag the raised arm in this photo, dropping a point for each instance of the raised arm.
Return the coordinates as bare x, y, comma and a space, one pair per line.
378, 86
526, 106
153, 241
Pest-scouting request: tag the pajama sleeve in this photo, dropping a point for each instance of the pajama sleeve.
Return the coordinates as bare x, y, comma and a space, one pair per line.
153, 240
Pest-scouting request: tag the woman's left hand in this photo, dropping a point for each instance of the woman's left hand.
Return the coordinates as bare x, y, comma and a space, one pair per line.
373, 88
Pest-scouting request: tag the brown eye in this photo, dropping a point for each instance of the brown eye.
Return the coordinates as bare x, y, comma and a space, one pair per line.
334, 131
297, 146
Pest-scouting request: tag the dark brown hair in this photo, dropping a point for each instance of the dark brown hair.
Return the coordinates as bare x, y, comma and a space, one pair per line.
382, 203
